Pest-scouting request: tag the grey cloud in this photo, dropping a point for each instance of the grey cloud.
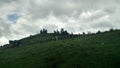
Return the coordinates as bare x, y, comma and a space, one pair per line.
66, 7
102, 25
2, 2
4, 28
7, 0
57, 7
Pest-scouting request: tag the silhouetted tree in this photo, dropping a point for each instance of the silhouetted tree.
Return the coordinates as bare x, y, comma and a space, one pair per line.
98, 32
83, 33
111, 30
62, 31
71, 35
66, 33
56, 32
43, 31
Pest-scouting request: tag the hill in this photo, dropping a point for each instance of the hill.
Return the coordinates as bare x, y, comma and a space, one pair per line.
82, 51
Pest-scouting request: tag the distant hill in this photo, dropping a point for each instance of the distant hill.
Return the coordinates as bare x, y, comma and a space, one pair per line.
101, 50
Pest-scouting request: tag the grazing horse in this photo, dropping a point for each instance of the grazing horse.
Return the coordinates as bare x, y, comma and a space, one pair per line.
55, 38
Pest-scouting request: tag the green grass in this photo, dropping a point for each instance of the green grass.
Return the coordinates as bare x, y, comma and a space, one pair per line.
90, 51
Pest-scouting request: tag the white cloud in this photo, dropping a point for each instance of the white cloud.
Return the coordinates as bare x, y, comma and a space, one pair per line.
3, 41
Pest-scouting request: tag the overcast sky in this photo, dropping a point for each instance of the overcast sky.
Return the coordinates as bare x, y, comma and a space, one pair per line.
20, 18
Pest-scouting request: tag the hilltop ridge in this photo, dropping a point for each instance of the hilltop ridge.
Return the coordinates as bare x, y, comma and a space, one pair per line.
101, 50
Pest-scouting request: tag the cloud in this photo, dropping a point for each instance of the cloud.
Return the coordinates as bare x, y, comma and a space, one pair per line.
3, 40
74, 15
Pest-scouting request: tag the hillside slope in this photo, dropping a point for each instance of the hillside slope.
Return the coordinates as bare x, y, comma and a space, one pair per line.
89, 51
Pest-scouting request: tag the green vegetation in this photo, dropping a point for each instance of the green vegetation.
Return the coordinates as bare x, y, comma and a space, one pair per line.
100, 50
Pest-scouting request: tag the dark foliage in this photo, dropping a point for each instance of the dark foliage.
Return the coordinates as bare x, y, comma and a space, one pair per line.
99, 32
64, 32
43, 31
15, 43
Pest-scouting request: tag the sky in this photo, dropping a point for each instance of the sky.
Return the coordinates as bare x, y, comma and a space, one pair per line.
21, 18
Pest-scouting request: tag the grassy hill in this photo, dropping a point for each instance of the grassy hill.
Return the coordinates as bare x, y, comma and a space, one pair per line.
87, 51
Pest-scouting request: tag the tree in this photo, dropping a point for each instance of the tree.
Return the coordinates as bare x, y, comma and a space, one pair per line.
71, 35
62, 31
83, 33
98, 32
57, 32
66, 33
111, 30
43, 31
